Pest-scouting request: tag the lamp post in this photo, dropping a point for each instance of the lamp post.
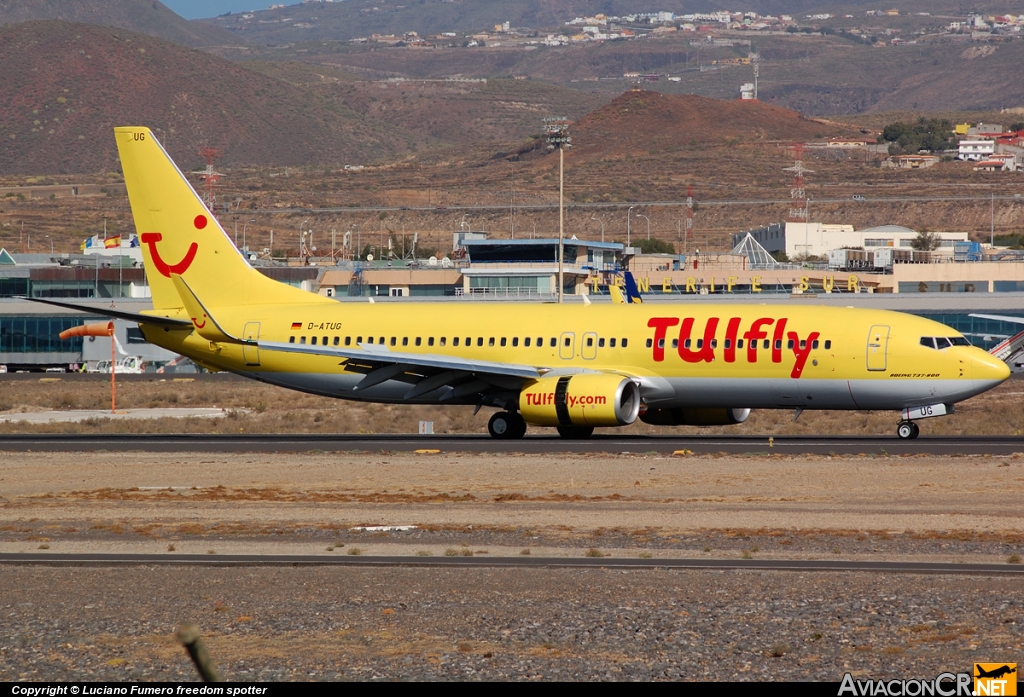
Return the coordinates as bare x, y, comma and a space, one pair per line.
641, 215
628, 213
300, 235
244, 225
594, 217
557, 134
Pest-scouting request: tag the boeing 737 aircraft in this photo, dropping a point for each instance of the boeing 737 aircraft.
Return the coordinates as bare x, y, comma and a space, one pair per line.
572, 367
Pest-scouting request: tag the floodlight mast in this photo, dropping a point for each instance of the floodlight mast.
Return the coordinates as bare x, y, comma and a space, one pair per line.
556, 131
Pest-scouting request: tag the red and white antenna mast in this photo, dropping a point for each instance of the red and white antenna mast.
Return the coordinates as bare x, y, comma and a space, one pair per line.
797, 194
688, 230
209, 177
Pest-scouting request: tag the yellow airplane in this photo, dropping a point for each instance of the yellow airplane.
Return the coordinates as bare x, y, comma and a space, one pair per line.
568, 366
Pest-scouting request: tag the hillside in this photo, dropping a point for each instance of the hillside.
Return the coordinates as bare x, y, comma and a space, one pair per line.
144, 16
66, 85
642, 122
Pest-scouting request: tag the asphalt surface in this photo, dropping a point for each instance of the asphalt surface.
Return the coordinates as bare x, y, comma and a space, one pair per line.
285, 443
887, 567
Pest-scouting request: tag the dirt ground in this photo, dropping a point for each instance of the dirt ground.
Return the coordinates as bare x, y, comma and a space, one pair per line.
928, 507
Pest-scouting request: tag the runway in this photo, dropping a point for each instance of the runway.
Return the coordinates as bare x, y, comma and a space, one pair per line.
293, 443
522, 562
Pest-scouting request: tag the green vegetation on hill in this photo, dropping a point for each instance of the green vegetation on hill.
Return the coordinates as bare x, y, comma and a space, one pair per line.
929, 135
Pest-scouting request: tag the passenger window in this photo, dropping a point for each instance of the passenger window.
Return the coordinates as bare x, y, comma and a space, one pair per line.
302, 339
405, 341
554, 342
490, 341
611, 343
814, 344
789, 344
291, 340
625, 343
728, 343
430, 341
419, 341
337, 340
502, 341
324, 342
455, 341
381, 342
479, 341
359, 340
828, 343
313, 341
650, 343
778, 344
515, 341
700, 343
590, 341
442, 341
661, 343
348, 341
686, 343
767, 344
540, 342
600, 343
526, 342
566, 342
739, 343
803, 343
394, 341
714, 343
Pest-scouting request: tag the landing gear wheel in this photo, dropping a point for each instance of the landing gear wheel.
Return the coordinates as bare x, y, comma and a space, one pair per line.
520, 426
907, 430
576, 432
500, 425
506, 425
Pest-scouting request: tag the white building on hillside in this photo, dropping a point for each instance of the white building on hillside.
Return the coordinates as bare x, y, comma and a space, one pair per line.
976, 149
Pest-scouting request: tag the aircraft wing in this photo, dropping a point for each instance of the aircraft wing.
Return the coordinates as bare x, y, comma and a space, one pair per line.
117, 314
426, 372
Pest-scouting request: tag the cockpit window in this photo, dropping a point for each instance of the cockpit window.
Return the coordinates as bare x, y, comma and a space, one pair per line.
941, 342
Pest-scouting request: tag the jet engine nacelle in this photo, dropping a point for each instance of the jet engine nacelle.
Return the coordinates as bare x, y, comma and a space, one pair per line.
581, 400
694, 417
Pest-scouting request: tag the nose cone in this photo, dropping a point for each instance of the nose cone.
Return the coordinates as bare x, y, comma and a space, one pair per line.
987, 368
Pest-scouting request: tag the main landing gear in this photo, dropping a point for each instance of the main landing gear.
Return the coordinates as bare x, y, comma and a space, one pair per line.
907, 430
506, 425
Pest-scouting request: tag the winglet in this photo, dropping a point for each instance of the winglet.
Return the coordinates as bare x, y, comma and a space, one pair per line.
632, 292
205, 325
617, 297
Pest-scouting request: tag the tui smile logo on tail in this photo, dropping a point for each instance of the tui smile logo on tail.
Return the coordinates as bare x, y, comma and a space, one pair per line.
165, 269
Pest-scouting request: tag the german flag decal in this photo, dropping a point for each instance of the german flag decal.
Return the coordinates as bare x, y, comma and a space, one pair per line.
296, 325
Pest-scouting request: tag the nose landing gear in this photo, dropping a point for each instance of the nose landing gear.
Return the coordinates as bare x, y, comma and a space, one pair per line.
506, 425
907, 430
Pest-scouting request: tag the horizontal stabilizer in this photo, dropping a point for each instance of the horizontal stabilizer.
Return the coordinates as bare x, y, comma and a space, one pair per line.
154, 320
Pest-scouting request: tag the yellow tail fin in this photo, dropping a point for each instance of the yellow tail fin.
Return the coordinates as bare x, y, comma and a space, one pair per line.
179, 236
